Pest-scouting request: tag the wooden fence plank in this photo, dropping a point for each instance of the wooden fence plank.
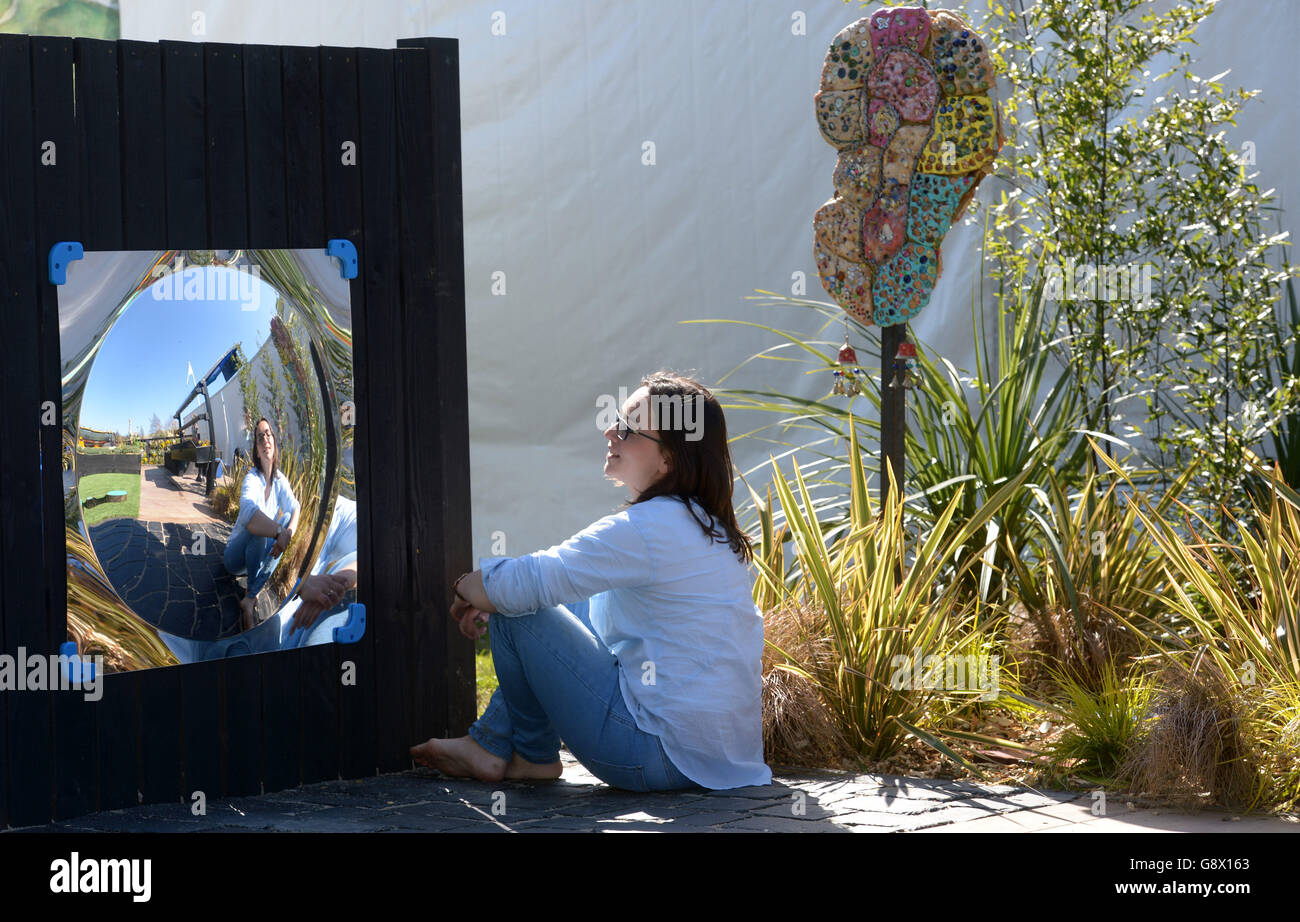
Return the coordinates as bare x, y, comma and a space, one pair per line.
27, 715
381, 411
439, 317
58, 188
304, 112
416, 167
226, 169
144, 152
264, 140
183, 121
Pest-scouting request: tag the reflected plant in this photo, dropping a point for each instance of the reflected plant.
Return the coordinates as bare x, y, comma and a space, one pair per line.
305, 481
248, 391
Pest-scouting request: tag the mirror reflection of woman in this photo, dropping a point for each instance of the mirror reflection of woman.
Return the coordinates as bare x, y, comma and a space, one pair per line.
268, 517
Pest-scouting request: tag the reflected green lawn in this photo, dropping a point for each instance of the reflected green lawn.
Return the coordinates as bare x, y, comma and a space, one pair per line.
94, 487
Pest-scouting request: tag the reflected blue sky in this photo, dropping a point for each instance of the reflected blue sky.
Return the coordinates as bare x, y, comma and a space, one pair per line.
142, 368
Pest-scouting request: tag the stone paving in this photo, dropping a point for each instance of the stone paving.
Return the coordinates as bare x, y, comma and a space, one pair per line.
421, 800
165, 497
153, 568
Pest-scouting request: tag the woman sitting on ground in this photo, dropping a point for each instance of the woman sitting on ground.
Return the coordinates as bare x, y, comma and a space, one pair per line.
268, 515
656, 684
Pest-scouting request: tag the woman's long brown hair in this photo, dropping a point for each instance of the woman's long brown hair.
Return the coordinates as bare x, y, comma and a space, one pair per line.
699, 468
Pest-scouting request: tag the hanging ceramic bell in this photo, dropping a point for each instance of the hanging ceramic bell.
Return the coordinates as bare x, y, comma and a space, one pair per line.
907, 372
846, 380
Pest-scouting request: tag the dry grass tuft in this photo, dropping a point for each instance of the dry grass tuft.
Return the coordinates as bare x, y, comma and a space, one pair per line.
799, 730
1194, 748
1053, 642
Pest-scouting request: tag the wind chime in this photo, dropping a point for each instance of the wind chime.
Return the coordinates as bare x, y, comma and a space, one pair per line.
907, 373
846, 378
906, 369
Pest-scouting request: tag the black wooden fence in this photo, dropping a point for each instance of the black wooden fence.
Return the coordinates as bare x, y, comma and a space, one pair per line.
213, 146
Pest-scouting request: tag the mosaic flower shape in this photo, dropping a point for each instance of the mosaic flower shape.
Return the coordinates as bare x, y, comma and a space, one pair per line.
904, 27
838, 226
907, 82
904, 100
848, 281
965, 137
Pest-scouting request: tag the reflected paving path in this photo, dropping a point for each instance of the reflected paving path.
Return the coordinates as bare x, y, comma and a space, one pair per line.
153, 567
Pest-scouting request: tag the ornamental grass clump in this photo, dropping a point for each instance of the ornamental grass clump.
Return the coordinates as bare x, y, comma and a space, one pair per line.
224, 501
1105, 720
1226, 726
799, 729
891, 612
1197, 745
1090, 588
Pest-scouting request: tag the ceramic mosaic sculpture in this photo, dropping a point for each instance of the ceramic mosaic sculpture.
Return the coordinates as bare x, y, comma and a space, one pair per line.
905, 100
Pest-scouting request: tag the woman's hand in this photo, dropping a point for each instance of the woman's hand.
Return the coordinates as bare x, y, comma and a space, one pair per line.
473, 621
281, 543
319, 593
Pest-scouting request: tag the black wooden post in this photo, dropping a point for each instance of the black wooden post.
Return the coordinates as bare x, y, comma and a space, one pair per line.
893, 409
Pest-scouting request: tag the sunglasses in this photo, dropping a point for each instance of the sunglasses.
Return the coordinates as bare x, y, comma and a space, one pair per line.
625, 429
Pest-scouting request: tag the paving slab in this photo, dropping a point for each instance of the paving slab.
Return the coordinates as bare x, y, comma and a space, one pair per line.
422, 800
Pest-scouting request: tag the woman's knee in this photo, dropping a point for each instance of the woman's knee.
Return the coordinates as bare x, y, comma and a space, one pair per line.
256, 552
545, 613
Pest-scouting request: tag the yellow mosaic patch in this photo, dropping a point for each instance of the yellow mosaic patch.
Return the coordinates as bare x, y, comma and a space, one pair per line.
964, 138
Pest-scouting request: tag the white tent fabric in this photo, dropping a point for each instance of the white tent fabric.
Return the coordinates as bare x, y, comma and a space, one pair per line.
598, 252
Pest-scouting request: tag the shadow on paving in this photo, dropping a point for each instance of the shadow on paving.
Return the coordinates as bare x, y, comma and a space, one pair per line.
421, 800
153, 568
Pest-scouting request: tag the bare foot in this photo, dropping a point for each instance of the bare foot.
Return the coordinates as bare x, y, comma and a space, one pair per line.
520, 769
248, 607
460, 758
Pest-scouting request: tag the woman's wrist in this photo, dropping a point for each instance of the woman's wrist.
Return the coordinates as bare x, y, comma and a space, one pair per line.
474, 592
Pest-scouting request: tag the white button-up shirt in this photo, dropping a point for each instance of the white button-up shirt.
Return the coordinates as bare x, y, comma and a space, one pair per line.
281, 506
677, 611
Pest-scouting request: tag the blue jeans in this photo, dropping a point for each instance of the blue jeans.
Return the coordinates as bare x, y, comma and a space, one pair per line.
559, 681
248, 553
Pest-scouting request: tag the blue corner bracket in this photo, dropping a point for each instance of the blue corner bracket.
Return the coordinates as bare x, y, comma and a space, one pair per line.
355, 629
61, 254
75, 669
347, 255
